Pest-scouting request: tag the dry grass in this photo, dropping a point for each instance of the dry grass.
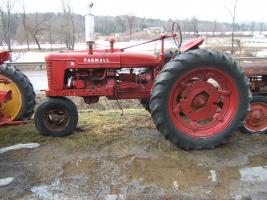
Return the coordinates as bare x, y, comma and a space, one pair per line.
94, 126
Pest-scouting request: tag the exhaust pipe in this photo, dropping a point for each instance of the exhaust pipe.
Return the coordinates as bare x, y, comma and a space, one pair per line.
90, 29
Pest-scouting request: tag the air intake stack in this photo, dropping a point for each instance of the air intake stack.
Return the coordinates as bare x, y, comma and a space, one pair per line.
90, 29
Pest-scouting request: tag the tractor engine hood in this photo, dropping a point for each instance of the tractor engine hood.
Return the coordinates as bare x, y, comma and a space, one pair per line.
139, 59
104, 59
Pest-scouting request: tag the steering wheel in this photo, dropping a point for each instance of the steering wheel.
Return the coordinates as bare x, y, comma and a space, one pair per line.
177, 35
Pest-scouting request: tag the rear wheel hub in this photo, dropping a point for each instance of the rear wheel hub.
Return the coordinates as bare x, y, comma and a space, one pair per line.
198, 100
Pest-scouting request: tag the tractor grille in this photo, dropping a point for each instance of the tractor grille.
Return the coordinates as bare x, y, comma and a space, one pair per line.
49, 69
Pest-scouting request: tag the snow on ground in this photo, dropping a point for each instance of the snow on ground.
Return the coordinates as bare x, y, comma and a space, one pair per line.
252, 174
262, 54
19, 146
29, 56
6, 181
38, 79
213, 176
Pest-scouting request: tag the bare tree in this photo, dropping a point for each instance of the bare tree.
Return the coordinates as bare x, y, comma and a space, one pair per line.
24, 24
68, 24
130, 21
194, 22
6, 23
214, 27
252, 27
33, 26
37, 27
50, 32
261, 26
232, 13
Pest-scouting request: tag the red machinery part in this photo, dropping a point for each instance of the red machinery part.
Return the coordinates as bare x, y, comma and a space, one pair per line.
4, 56
4, 119
256, 121
198, 100
4, 97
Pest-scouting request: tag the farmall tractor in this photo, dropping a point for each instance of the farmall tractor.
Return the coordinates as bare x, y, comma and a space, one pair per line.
197, 98
17, 97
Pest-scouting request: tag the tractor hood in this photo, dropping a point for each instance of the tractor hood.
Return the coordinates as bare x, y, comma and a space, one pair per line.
104, 59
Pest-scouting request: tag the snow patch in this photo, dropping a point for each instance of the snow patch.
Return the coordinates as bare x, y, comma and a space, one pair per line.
213, 176
19, 146
38, 79
115, 197
237, 197
46, 191
42, 192
29, 56
6, 181
251, 174
262, 54
175, 185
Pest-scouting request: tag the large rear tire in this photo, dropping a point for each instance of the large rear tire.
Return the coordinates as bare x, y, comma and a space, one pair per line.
22, 104
200, 99
56, 116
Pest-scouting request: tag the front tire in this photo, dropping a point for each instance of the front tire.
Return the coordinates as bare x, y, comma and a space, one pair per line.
256, 121
200, 99
57, 117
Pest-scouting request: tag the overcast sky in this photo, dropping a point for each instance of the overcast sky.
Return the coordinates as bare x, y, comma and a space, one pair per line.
247, 10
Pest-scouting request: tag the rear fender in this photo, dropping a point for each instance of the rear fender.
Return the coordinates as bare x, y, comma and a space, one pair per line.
192, 44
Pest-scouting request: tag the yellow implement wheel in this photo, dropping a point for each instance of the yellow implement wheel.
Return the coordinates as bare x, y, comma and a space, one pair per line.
13, 107
21, 106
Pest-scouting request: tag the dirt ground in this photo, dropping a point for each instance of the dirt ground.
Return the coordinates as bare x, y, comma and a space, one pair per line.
114, 157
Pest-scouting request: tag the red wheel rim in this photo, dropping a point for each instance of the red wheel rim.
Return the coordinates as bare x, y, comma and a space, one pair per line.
256, 120
203, 102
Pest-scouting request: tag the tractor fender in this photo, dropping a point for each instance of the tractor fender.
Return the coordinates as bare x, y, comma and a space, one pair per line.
192, 44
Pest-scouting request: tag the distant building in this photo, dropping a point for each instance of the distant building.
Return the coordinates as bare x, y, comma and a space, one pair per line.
153, 29
259, 39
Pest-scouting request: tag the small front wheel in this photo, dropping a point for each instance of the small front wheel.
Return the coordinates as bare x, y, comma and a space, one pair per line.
57, 117
256, 121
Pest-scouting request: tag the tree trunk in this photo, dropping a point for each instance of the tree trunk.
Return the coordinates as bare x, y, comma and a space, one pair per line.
73, 30
51, 42
9, 45
27, 40
232, 42
37, 42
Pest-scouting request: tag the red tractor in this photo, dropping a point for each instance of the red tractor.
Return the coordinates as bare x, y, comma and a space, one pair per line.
197, 98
